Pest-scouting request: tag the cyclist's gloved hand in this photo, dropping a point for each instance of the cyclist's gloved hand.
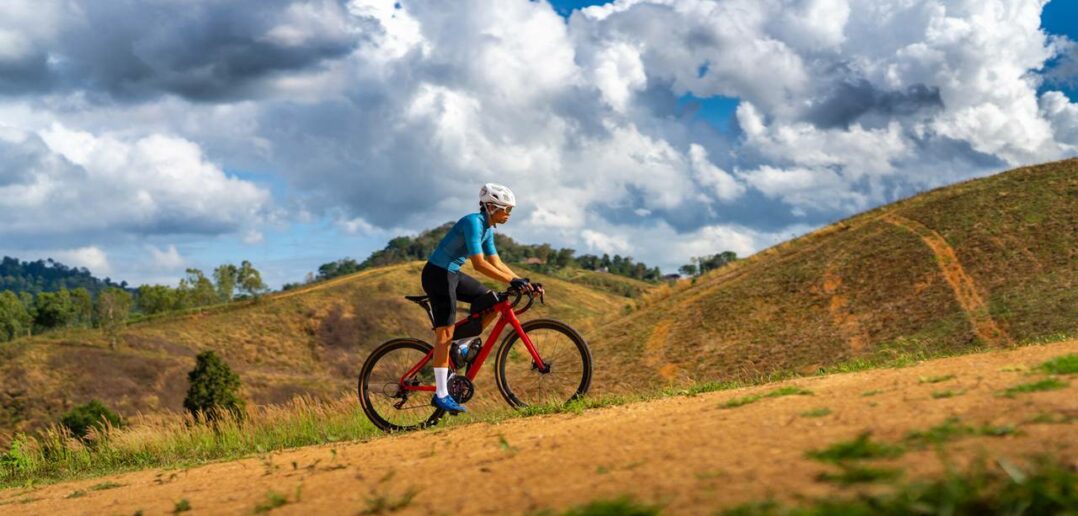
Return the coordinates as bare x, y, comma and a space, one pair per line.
520, 284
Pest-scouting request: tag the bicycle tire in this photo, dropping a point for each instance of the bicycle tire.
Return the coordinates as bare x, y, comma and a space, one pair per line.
511, 388
383, 418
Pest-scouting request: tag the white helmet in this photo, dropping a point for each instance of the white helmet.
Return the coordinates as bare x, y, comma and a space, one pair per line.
497, 195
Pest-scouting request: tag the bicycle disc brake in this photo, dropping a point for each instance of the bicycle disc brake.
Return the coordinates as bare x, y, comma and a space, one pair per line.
547, 366
461, 388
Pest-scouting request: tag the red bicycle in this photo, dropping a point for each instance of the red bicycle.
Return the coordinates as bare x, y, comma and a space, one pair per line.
552, 366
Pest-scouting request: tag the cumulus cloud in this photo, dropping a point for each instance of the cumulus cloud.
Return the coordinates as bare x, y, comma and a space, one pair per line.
90, 257
167, 259
604, 243
380, 114
200, 49
76, 184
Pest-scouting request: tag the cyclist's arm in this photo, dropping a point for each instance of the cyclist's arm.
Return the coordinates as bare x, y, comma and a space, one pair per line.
488, 269
497, 262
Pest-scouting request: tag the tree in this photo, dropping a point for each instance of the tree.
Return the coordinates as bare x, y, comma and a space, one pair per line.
54, 309
689, 269
250, 280
93, 415
47, 276
15, 319
155, 299
340, 267
113, 308
82, 304
715, 261
200, 290
563, 258
214, 389
225, 276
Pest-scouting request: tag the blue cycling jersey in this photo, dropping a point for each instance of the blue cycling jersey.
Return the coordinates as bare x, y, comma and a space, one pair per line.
471, 235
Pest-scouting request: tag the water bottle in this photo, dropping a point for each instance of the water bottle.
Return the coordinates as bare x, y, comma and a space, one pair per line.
463, 351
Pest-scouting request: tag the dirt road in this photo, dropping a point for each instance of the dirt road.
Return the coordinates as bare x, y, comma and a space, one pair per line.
689, 454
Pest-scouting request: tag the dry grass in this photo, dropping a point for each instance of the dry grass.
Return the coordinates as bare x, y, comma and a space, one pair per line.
308, 342
866, 287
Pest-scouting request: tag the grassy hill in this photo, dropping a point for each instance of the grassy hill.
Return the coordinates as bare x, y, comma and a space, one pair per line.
308, 341
985, 263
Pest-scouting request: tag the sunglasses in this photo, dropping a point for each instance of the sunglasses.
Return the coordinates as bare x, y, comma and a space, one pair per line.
507, 209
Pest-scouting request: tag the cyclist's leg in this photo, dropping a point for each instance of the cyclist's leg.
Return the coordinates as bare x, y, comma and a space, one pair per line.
478, 296
441, 286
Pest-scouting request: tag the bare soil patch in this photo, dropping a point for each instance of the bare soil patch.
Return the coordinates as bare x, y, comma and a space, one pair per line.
687, 453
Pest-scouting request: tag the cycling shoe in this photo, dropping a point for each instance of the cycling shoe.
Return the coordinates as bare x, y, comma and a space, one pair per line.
448, 404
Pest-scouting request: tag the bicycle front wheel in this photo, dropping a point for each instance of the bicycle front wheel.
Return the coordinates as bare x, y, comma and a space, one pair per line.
565, 355
387, 404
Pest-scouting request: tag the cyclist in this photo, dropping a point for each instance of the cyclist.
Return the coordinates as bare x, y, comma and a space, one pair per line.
471, 238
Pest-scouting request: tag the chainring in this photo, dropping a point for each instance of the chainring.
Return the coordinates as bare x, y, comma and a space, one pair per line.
461, 388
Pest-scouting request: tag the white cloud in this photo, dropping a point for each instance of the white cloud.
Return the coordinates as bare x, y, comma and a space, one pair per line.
357, 226
604, 243
718, 180
619, 73
817, 189
253, 237
66, 182
168, 259
381, 114
1062, 114
91, 257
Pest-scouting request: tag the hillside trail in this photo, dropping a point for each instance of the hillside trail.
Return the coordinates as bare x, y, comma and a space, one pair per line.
688, 453
966, 291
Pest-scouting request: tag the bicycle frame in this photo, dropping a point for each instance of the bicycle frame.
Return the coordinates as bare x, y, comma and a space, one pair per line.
508, 317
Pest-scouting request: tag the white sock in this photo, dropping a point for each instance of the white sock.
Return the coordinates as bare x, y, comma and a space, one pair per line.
441, 382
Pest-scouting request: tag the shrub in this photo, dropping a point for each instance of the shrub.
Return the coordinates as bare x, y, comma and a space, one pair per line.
214, 389
94, 414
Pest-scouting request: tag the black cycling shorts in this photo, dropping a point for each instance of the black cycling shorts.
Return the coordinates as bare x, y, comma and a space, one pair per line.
445, 287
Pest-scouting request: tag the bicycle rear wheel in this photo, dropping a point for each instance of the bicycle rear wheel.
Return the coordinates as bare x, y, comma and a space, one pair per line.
562, 350
385, 402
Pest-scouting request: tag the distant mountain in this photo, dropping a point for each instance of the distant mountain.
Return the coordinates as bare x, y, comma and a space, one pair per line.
49, 276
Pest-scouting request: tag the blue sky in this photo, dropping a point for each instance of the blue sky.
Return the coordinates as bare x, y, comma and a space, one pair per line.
139, 142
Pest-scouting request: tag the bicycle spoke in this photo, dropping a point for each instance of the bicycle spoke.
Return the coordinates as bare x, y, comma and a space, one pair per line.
383, 391
565, 360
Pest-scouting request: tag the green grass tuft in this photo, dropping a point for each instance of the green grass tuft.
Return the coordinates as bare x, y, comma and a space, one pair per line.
1052, 419
947, 393
952, 429
181, 506
859, 474
1066, 364
790, 390
1048, 384
936, 379
106, 485
861, 447
273, 501
1046, 488
384, 503
871, 393
949, 430
624, 506
816, 412
703, 388
76, 494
